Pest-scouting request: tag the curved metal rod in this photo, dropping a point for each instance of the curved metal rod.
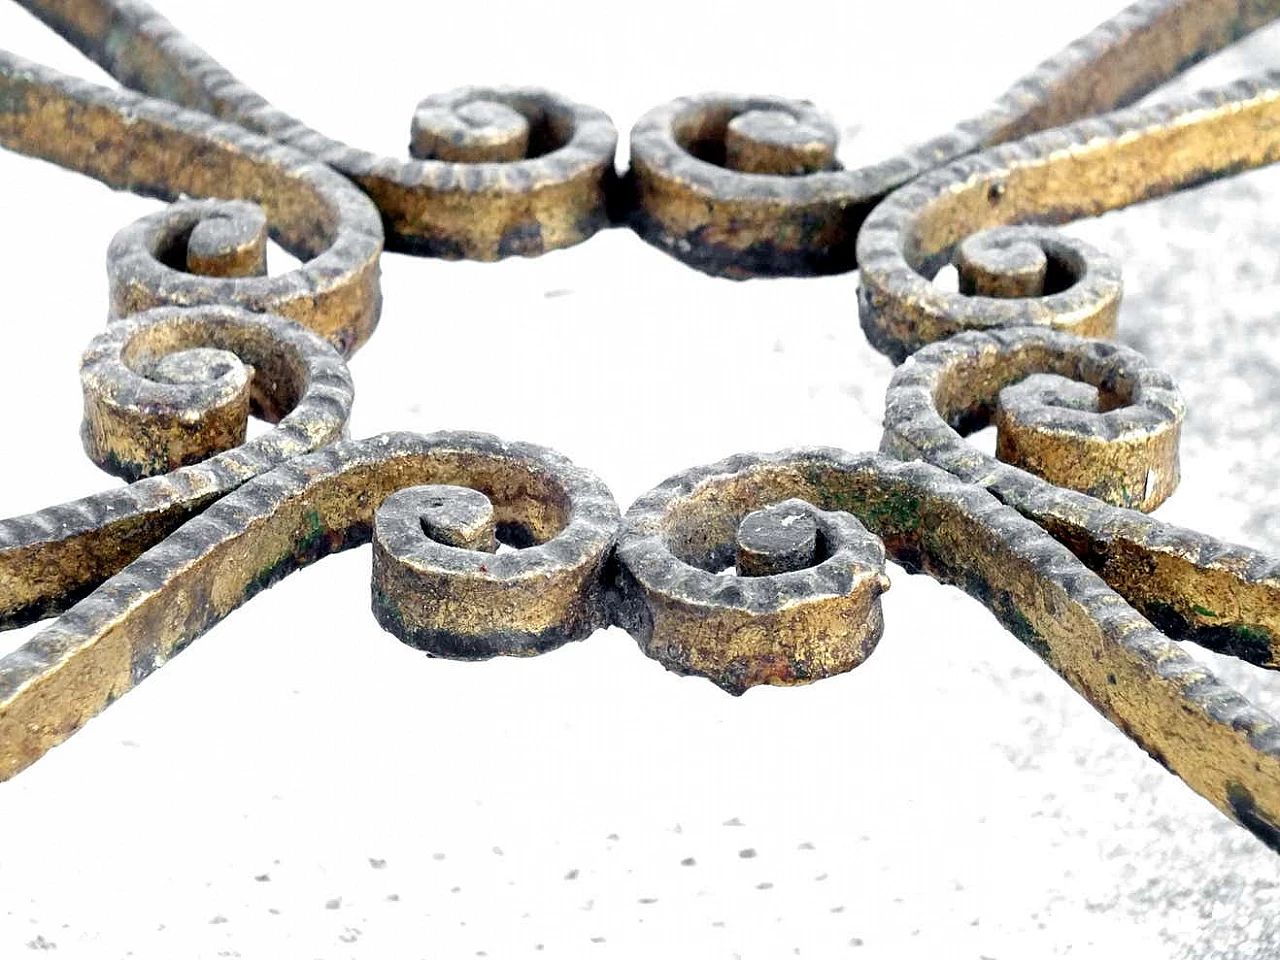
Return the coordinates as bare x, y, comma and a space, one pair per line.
1194, 587
554, 196
716, 624
157, 149
143, 417
1061, 175
799, 528
201, 265
750, 186
1172, 706
1119, 61
548, 592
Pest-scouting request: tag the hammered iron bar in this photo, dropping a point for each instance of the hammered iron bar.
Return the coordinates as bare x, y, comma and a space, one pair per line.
757, 569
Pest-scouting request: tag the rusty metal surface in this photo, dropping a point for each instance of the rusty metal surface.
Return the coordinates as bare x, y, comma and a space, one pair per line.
291, 516
690, 203
1194, 587
763, 569
137, 425
154, 148
790, 628
1081, 170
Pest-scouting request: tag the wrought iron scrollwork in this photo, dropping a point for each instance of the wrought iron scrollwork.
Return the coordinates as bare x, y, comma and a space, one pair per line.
167, 397
761, 569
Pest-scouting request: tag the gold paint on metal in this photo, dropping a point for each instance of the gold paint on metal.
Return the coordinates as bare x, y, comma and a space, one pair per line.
761, 569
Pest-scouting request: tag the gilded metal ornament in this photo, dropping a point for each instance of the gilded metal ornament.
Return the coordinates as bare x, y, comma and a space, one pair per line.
760, 569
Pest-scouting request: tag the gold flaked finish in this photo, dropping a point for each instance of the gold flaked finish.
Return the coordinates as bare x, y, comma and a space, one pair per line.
743, 628
149, 146
932, 522
553, 196
439, 584
310, 507
718, 188
1057, 429
817, 215
501, 171
1193, 587
1086, 169
732, 185
151, 423
50, 559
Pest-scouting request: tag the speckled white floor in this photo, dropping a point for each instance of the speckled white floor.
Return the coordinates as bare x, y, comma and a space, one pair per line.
298, 784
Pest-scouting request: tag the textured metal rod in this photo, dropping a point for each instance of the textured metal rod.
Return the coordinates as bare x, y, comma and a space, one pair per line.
690, 201
1192, 586
152, 147
1082, 170
482, 604
556, 194
726, 627
51, 558
786, 224
759, 569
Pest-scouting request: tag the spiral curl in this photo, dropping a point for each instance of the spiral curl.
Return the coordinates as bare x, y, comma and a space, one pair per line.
737, 186
1113, 65
166, 151
140, 423
498, 172
307, 508
440, 585
743, 186
803, 602
1192, 586
552, 197
1081, 170
932, 522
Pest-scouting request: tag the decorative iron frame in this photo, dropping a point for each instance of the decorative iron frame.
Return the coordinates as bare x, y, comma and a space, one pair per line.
757, 569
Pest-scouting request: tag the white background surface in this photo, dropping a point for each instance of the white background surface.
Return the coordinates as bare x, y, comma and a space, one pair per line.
299, 784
